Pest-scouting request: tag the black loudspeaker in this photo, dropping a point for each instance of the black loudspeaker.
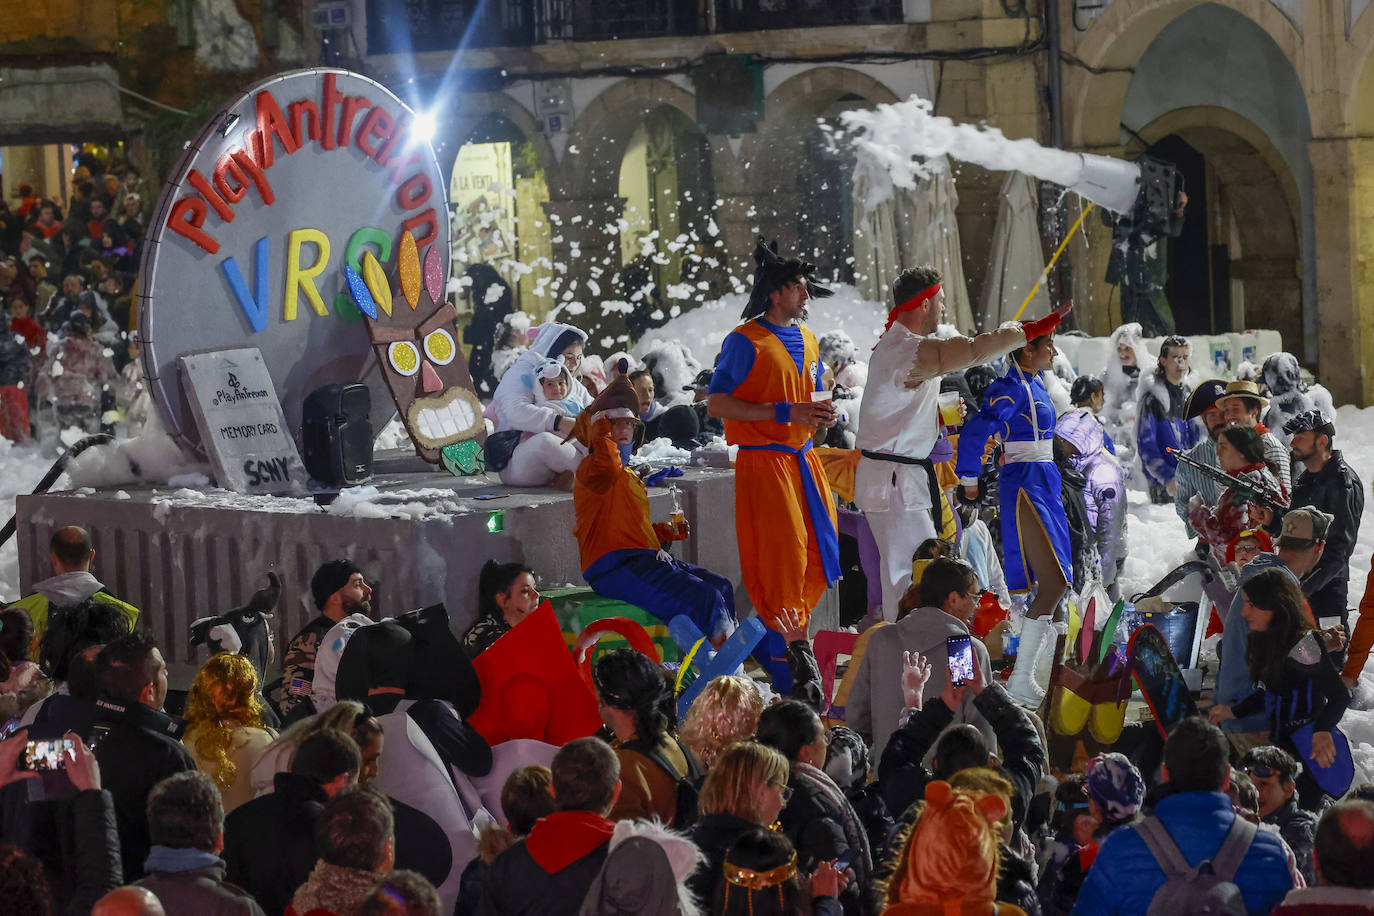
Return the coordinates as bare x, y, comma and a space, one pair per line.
336, 434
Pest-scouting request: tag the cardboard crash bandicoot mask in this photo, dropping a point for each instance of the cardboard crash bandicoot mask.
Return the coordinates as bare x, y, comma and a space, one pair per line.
416, 344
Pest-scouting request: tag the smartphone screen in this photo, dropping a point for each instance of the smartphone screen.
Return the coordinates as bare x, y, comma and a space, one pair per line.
960, 651
45, 755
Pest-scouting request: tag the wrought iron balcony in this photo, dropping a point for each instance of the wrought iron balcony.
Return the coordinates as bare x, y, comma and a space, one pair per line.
751, 15
600, 20
398, 26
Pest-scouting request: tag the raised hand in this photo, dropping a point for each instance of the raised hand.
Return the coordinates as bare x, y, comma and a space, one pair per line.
915, 674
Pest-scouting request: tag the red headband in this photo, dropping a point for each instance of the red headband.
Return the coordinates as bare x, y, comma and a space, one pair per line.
914, 302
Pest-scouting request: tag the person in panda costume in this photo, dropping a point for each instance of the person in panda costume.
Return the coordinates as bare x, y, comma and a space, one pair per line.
1289, 395
1120, 389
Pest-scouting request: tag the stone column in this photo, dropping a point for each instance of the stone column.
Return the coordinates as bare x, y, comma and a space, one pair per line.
1344, 196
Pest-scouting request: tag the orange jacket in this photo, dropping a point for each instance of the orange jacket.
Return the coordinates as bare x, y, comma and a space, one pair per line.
611, 502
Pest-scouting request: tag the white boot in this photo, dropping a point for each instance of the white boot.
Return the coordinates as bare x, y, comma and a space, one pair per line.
1022, 686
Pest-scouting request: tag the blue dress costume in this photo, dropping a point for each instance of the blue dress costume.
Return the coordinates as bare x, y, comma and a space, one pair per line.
1017, 409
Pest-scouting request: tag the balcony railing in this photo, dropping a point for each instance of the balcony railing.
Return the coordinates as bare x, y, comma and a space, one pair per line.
396, 26
751, 15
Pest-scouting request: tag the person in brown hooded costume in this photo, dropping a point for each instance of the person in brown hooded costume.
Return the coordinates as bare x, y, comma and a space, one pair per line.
621, 549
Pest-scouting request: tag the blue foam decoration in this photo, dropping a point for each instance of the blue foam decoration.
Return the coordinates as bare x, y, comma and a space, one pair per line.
1335, 780
254, 306
710, 666
361, 294
657, 477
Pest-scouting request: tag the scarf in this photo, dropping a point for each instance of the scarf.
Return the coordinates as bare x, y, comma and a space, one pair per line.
165, 858
334, 888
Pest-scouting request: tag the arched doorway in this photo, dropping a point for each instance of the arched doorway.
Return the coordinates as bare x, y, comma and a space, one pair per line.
666, 236
501, 239
1216, 93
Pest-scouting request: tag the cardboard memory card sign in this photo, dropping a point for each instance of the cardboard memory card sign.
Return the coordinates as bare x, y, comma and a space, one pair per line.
242, 426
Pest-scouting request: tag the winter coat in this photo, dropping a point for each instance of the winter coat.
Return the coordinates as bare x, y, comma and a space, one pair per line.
516, 404
76, 840
904, 778
1082, 538
1160, 426
269, 843
646, 789
1327, 901
1233, 672
714, 834
1335, 489
1298, 827
68, 589
549, 872
1125, 875
645, 874
1120, 388
875, 699
332, 890
77, 374
1016, 882
1308, 689
1105, 487
822, 825
202, 891
245, 746
135, 754
15, 362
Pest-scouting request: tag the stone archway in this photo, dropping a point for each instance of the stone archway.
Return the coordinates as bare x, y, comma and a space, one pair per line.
1252, 197
787, 181
1094, 94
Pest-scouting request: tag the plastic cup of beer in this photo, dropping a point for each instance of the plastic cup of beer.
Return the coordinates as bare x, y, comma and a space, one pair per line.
949, 410
678, 519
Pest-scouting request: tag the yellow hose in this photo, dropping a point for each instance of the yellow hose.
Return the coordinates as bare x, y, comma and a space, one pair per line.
1050, 266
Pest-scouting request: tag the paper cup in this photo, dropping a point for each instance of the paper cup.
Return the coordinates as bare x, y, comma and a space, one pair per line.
822, 395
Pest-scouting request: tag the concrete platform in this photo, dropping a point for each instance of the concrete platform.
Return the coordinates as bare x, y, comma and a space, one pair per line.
421, 537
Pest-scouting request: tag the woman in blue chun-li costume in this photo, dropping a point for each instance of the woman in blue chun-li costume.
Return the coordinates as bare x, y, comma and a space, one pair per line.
1035, 532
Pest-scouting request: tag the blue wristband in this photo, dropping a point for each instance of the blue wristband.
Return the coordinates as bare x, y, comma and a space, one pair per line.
782, 412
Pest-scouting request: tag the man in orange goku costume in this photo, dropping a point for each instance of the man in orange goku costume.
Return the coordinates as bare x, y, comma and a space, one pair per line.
762, 388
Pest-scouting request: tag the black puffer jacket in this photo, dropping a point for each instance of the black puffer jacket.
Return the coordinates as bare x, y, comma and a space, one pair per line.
903, 778
1335, 489
714, 834
822, 825
1298, 827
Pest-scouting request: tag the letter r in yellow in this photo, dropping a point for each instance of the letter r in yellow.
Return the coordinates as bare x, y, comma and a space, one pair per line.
303, 278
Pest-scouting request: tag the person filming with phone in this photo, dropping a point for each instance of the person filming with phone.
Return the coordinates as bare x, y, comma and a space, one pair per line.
959, 746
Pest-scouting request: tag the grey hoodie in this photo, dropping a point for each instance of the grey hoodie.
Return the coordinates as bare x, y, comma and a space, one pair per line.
68, 588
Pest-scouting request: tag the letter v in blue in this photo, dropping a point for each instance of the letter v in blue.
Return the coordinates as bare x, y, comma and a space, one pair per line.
254, 306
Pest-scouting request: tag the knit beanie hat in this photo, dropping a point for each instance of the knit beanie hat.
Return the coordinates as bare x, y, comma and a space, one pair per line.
1115, 785
329, 578
954, 847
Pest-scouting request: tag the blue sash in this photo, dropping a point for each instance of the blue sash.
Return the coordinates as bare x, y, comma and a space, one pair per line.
827, 538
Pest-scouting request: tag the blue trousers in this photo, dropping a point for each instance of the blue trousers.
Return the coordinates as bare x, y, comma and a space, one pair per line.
666, 590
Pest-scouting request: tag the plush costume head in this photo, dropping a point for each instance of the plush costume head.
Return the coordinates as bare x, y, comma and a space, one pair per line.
953, 849
418, 352
618, 401
772, 273
244, 629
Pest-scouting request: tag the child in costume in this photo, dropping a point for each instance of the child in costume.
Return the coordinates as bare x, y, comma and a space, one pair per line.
1035, 530
556, 388
621, 549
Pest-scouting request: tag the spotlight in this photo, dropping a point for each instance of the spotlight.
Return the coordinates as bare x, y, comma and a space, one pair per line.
423, 127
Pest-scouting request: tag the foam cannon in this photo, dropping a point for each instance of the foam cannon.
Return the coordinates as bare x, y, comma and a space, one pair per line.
1144, 190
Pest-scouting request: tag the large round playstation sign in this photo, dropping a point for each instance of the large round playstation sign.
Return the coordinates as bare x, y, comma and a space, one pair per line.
301, 176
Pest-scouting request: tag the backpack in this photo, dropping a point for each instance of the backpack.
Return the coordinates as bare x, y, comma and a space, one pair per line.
1207, 888
74, 627
688, 787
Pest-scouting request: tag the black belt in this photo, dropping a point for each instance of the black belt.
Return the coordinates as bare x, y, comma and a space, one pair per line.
937, 499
